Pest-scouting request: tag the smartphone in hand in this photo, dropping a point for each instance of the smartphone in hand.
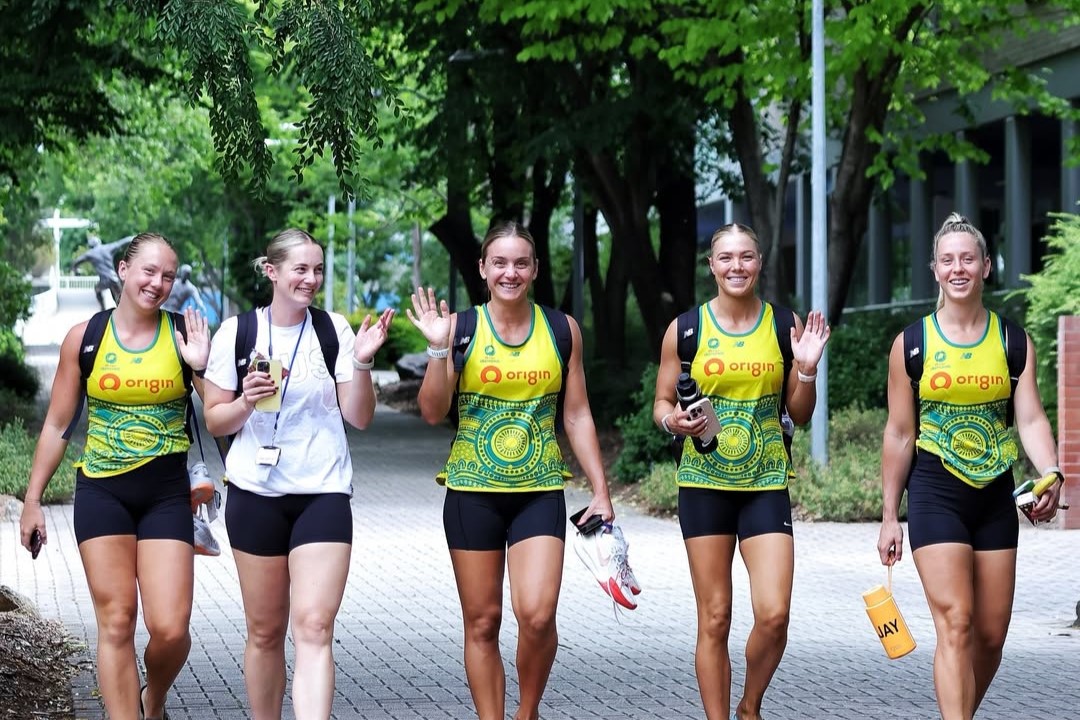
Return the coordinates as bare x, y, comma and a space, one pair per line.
35, 543
704, 407
273, 367
594, 523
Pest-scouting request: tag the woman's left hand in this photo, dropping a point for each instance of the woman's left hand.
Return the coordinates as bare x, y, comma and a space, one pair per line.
371, 336
599, 506
806, 350
195, 351
1046, 506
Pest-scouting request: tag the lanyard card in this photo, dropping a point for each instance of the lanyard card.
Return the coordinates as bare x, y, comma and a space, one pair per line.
268, 455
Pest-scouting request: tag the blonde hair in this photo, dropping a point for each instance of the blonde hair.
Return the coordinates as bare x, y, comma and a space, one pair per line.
956, 223
279, 248
734, 228
510, 229
145, 238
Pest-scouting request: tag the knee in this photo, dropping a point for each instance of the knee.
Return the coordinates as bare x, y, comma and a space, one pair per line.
484, 626
955, 628
313, 627
267, 634
116, 624
773, 621
990, 642
539, 622
172, 632
714, 622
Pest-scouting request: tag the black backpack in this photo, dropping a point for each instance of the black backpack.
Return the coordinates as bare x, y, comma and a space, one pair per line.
687, 334
247, 330
88, 350
564, 343
1015, 357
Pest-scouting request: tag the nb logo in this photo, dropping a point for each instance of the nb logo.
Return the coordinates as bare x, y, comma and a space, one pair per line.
914, 352
688, 332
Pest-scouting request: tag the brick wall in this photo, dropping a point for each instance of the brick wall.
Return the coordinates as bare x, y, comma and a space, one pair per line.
1069, 416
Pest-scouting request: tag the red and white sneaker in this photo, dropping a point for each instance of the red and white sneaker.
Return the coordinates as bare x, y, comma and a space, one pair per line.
604, 554
202, 487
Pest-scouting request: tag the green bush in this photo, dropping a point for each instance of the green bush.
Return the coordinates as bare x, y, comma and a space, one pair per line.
1054, 292
859, 356
403, 339
848, 489
658, 488
16, 454
18, 377
15, 407
643, 444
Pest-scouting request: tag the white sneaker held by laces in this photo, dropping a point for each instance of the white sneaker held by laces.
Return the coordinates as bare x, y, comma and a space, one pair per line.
604, 554
205, 542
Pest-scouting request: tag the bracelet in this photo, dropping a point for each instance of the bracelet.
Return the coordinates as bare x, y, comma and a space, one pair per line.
1056, 471
363, 365
31, 501
437, 353
806, 378
663, 423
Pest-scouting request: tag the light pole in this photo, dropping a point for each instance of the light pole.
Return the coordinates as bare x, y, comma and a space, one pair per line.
819, 291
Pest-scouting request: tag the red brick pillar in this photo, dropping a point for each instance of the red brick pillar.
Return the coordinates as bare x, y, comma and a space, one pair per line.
1069, 416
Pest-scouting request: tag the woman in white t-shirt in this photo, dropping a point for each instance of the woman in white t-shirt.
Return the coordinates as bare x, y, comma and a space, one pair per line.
289, 471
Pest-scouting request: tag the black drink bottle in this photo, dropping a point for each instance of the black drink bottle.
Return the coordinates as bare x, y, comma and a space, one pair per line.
686, 389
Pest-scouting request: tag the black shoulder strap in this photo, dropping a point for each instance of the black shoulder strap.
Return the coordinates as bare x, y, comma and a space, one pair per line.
564, 343
914, 356
328, 339
88, 350
914, 344
784, 321
247, 329
687, 327
190, 422
463, 335
1016, 357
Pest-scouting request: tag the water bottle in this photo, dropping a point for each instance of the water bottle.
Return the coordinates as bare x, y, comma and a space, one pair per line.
888, 622
686, 389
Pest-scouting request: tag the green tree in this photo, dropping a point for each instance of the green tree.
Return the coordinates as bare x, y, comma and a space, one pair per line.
57, 55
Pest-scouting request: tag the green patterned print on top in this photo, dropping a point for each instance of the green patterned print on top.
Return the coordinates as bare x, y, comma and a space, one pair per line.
136, 402
963, 397
742, 375
507, 399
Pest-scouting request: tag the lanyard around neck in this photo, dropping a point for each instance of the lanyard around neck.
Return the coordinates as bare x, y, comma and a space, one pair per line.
292, 362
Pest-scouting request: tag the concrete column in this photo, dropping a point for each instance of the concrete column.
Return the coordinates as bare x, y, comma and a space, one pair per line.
921, 236
1070, 176
966, 188
1069, 415
802, 239
879, 252
1017, 200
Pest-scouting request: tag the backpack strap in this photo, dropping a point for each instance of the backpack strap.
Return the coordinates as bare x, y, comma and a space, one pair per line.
247, 329
328, 339
564, 343
784, 322
191, 424
88, 350
687, 325
914, 355
463, 335
1016, 358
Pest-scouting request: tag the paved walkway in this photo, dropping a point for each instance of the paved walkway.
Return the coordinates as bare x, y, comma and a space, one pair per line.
398, 639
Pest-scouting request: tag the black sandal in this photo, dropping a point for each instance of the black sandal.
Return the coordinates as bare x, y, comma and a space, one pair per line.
142, 707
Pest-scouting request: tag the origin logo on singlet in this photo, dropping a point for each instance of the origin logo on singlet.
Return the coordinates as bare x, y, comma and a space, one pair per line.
507, 403
963, 394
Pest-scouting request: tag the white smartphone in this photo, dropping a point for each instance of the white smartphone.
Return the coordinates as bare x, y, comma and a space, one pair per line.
703, 407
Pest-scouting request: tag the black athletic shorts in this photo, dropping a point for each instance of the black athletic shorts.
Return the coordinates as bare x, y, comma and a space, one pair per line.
151, 502
942, 508
743, 513
496, 520
274, 526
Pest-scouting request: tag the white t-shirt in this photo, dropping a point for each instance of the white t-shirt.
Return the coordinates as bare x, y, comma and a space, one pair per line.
314, 450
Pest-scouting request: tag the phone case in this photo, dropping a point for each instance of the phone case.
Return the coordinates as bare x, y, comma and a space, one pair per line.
272, 403
591, 525
712, 424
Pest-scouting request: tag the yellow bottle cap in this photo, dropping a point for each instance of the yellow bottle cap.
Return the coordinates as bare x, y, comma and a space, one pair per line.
875, 595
